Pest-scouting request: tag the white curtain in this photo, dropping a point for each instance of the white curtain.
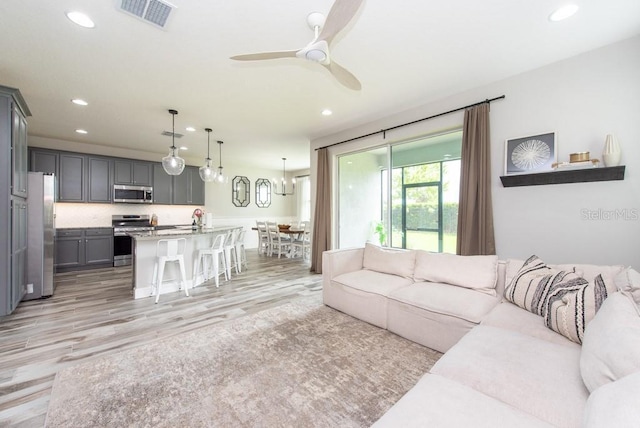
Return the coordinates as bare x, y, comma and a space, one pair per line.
303, 198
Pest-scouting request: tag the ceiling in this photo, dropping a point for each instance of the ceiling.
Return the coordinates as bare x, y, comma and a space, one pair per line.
404, 54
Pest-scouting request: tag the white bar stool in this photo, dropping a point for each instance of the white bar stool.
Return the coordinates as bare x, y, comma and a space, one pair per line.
215, 251
241, 254
230, 251
169, 250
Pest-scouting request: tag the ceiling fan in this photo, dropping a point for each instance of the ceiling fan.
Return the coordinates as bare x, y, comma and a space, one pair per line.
339, 16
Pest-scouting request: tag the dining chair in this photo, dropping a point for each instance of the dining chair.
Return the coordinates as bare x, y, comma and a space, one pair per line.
279, 244
302, 243
216, 253
263, 237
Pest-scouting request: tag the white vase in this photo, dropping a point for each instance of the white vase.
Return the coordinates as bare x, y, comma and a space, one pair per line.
611, 152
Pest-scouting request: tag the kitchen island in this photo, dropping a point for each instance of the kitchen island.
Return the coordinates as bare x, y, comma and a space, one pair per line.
144, 256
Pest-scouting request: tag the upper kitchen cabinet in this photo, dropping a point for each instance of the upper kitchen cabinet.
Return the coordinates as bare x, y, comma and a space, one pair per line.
188, 187
138, 173
42, 160
162, 185
99, 182
71, 182
13, 192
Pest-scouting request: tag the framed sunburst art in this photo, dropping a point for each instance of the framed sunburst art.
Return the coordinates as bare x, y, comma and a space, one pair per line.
525, 155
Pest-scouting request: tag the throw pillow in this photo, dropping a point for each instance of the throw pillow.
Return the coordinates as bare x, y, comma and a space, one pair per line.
532, 284
571, 305
629, 280
479, 273
611, 344
389, 260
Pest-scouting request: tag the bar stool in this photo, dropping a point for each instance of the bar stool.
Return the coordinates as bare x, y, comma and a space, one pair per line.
169, 250
230, 251
241, 255
216, 251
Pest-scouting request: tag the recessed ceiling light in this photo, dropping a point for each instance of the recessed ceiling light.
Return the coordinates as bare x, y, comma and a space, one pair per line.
184, 148
81, 19
79, 102
564, 12
327, 112
190, 128
81, 131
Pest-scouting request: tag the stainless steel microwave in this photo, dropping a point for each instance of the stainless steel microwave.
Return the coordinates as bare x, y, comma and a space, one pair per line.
132, 194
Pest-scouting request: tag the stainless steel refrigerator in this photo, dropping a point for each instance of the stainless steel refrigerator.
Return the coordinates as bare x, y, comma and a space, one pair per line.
40, 235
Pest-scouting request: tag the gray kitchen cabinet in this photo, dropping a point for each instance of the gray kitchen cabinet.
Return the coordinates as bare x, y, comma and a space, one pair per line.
138, 173
99, 183
13, 191
18, 251
162, 185
69, 252
188, 187
42, 160
19, 152
79, 249
98, 246
71, 177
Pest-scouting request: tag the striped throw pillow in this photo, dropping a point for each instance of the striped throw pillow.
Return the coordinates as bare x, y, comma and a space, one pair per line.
572, 306
535, 282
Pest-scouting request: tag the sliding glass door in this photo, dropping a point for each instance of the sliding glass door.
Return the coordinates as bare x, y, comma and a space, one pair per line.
422, 187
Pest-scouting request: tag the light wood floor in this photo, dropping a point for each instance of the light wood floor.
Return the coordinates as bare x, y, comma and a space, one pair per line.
93, 314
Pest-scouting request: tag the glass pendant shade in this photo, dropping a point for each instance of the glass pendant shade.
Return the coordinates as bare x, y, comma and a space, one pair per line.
207, 174
219, 176
172, 163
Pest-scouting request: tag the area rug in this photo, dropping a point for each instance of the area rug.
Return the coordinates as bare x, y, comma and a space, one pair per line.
301, 364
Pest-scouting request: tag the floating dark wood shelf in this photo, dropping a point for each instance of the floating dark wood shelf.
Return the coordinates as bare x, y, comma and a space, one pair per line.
561, 177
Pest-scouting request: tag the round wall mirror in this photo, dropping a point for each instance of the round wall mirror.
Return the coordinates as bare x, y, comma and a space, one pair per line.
263, 192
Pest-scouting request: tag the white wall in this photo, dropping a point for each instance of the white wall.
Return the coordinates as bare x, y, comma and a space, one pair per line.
581, 98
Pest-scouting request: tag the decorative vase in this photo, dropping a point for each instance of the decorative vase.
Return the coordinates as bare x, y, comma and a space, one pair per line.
611, 152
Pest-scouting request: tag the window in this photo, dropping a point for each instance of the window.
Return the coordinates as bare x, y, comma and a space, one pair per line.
416, 206
303, 198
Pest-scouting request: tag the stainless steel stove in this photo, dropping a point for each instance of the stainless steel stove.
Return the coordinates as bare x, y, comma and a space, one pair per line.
122, 225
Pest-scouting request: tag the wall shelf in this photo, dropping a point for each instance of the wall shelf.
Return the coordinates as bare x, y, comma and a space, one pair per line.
561, 177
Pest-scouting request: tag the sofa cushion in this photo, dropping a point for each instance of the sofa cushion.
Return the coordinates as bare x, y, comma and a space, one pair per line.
444, 299
511, 317
532, 284
629, 280
587, 271
615, 404
389, 260
476, 272
572, 305
436, 401
372, 282
533, 375
611, 346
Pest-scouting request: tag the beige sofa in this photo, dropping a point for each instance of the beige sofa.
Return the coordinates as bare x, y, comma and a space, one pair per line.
502, 365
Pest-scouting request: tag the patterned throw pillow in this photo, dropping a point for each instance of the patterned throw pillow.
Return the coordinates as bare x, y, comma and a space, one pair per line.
531, 287
572, 306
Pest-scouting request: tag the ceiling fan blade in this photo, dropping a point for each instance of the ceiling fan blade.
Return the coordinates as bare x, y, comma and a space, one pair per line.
339, 16
344, 76
265, 55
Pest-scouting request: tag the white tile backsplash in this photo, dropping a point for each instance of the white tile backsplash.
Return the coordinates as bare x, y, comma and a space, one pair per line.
99, 215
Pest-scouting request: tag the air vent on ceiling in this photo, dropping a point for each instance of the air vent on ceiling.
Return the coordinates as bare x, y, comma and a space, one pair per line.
169, 134
152, 11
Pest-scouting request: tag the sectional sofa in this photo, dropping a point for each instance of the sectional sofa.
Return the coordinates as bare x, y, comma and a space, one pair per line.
525, 344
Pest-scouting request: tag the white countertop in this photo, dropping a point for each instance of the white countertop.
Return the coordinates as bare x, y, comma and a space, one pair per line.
183, 232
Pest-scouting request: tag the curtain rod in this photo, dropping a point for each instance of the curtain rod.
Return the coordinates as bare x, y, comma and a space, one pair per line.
384, 131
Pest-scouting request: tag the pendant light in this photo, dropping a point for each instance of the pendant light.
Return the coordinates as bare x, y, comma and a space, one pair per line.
206, 172
284, 182
220, 177
172, 163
